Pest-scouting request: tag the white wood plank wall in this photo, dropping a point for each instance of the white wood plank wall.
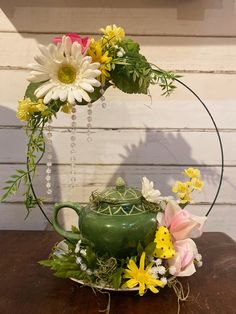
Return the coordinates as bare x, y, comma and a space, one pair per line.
133, 136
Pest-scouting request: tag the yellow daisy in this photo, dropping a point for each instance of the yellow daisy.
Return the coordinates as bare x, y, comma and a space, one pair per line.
141, 277
113, 34
98, 55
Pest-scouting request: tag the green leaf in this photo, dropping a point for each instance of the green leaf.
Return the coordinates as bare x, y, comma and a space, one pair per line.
149, 249
117, 278
29, 93
140, 249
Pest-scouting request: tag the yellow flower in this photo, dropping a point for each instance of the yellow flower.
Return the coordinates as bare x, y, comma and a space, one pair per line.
181, 188
192, 172
113, 34
66, 108
164, 248
27, 107
141, 276
39, 106
183, 191
196, 183
98, 55
185, 199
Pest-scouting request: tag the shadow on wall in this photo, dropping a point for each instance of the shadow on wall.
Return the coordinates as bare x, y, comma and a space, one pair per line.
13, 143
166, 155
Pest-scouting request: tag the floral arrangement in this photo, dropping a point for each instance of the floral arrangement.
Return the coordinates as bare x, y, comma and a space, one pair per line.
75, 71
170, 254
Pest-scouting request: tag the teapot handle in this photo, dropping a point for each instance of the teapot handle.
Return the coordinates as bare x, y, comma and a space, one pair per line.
66, 234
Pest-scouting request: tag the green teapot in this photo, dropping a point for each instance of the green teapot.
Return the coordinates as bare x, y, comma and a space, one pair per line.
114, 222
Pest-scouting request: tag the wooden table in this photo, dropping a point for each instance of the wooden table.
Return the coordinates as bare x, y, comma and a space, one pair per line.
28, 288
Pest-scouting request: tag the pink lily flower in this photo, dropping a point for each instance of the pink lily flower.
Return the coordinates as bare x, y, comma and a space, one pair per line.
180, 222
84, 42
183, 261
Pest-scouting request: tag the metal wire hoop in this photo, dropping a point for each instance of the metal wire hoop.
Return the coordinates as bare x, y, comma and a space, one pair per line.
219, 139
221, 151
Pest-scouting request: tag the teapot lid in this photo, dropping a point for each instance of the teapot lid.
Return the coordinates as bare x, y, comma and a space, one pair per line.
120, 194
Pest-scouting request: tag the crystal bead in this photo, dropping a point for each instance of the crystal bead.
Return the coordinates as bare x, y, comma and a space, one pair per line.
104, 105
102, 91
102, 98
49, 191
49, 164
89, 111
89, 105
73, 109
48, 178
73, 138
48, 170
89, 139
90, 119
73, 124
89, 125
73, 117
48, 185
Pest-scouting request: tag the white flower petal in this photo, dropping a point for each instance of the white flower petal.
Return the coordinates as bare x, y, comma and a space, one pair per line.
87, 87
63, 95
48, 97
39, 78
43, 89
77, 95
84, 95
71, 98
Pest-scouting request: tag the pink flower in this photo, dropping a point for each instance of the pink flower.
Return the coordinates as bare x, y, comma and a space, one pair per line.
180, 222
183, 262
84, 42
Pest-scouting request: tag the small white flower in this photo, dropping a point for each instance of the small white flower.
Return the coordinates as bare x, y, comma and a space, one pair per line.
148, 191
161, 270
89, 272
198, 257
83, 252
199, 264
154, 272
120, 54
163, 280
172, 270
63, 247
77, 248
83, 267
158, 262
78, 260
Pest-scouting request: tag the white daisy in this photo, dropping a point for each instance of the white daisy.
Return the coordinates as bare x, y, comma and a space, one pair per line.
64, 72
148, 191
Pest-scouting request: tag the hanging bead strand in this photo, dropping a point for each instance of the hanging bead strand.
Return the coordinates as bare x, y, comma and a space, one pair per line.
102, 98
49, 158
73, 147
89, 124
